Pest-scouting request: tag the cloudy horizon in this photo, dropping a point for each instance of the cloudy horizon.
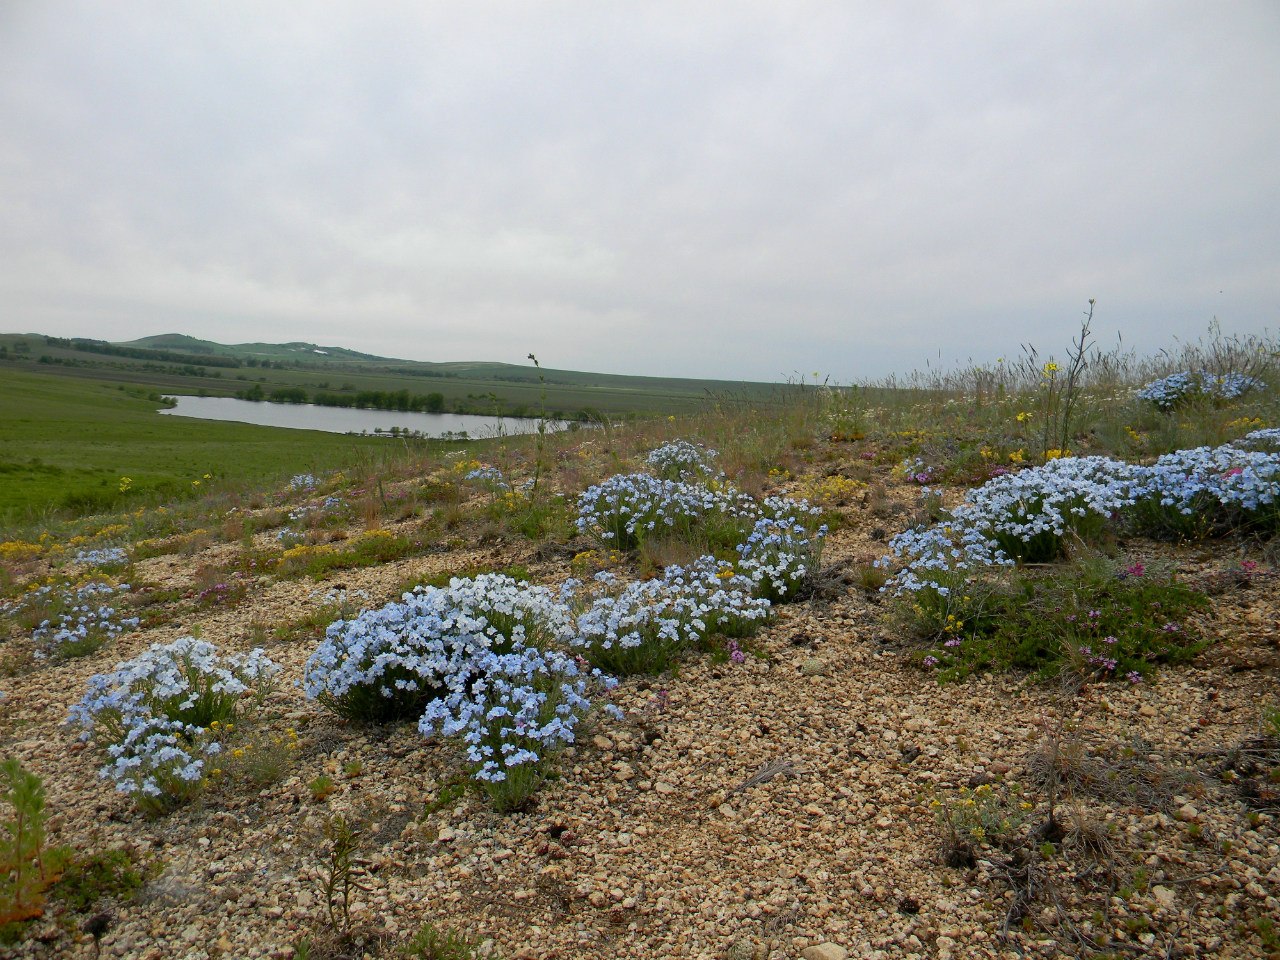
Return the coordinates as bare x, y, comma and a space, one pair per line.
725, 190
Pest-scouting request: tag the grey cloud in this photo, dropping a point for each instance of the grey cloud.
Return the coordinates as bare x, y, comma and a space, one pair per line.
733, 190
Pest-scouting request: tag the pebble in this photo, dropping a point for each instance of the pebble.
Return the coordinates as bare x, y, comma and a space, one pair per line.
825, 951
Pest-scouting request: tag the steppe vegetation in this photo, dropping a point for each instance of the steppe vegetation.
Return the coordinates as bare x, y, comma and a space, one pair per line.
976, 664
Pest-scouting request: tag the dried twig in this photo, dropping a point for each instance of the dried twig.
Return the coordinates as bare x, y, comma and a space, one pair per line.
775, 768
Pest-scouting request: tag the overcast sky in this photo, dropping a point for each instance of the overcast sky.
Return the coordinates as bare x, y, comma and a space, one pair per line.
734, 190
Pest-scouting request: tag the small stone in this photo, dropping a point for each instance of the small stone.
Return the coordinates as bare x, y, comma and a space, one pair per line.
825, 951
813, 668
604, 743
1147, 710
663, 787
1164, 896
446, 834
742, 950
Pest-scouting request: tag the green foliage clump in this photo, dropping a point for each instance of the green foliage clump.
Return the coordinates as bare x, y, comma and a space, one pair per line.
430, 943
27, 867
1090, 616
98, 876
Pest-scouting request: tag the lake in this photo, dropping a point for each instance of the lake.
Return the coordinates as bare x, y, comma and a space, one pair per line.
308, 416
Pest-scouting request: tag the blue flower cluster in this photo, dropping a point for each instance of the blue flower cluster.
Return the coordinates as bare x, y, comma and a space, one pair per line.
1025, 516
1266, 437
103, 557
387, 664
157, 717
682, 460
1172, 391
778, 547
329, 513
474, 660
303, 481
516, 712
779, 556
642, 627
82, 619
490, 478
329, 509
627, 508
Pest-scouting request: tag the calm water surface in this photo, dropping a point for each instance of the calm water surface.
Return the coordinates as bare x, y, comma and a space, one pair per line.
308, 416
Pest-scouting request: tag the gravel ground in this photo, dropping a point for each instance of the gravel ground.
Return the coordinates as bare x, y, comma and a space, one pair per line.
778, 808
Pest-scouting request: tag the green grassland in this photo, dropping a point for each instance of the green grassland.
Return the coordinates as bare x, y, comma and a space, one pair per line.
78, 415
67, 442
178, 364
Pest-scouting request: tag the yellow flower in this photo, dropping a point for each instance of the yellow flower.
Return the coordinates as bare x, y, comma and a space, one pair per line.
237, 753
208, 476
1050, 368
1017, 456
195, 483
1024, 416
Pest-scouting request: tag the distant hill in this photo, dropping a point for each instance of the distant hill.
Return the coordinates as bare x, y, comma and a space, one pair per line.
311, 354
262, 351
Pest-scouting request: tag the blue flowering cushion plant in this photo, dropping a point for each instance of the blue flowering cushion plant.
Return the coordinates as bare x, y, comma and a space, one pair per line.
783, 550
517, 710
73, 621
160, 717
1188, 386
627, 509
943, 567
682, 460
728, 603
1018, 517
644, 627
1268, 438
103, 558
385, 665
1206, 490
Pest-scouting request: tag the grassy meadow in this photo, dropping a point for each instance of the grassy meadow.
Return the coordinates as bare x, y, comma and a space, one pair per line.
67, 443
179, 364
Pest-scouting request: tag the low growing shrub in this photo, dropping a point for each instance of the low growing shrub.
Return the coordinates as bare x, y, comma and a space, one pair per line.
160, 717
387, 664
522, 708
